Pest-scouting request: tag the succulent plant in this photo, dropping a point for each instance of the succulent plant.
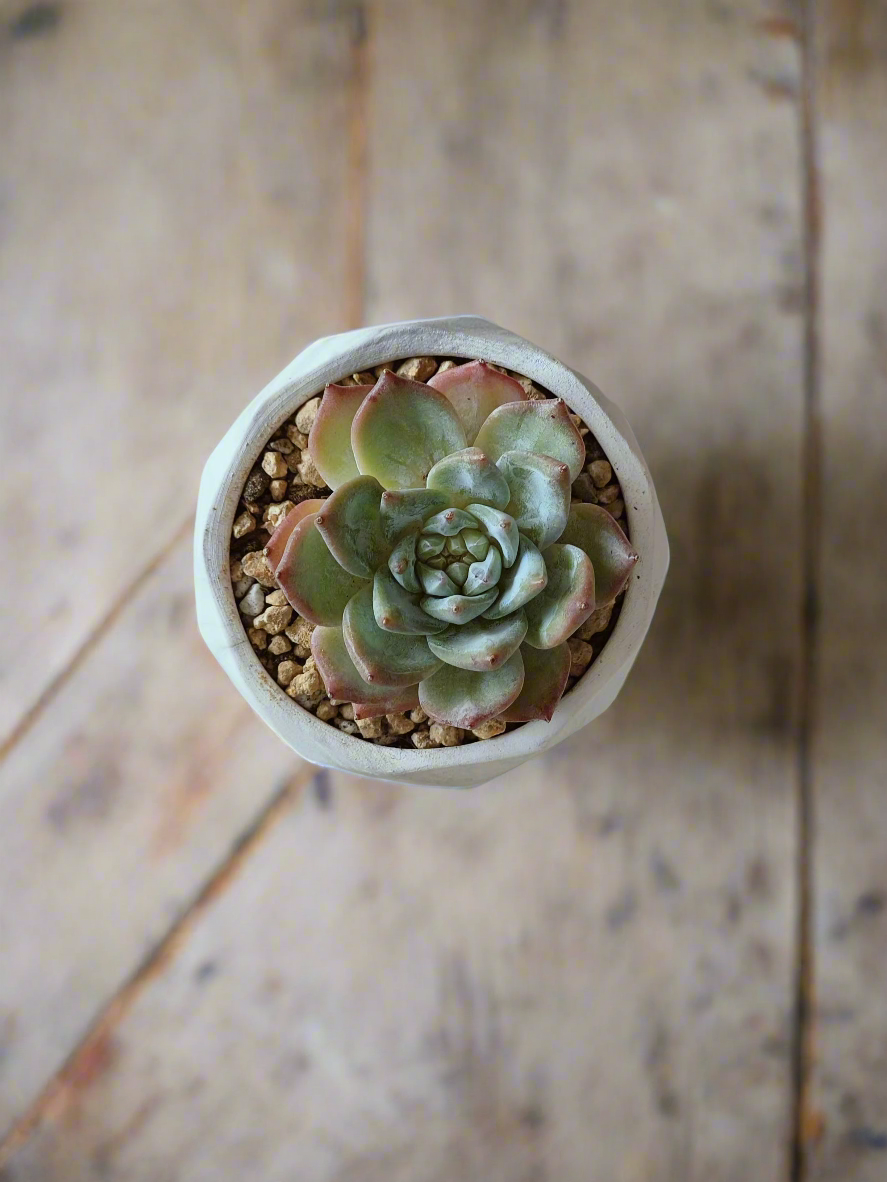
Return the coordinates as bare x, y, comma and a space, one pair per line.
448, 567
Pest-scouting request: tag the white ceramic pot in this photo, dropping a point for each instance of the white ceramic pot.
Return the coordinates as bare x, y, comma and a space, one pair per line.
326, 361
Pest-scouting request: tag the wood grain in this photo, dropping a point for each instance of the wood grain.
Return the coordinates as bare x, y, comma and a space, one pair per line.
585, 971
847, 1119
171, 233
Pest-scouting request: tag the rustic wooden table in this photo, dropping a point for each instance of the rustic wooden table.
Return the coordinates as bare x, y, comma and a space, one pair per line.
658, 955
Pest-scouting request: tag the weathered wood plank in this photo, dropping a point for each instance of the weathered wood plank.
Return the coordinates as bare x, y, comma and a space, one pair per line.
847, 1122
125, 796
172, 232
584, 971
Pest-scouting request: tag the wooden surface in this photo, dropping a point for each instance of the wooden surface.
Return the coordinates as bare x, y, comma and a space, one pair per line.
656, 955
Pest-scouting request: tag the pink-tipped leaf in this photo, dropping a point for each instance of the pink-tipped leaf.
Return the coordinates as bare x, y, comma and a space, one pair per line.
329, 442
482, 644
540, 494
383, 658
566, 602
462, 697
593, 530
343, 681
311, 579
476, 390
351, 525
546, 673
278, 540
542, 427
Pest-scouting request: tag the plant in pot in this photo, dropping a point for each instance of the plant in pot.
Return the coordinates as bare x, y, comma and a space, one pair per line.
407, 544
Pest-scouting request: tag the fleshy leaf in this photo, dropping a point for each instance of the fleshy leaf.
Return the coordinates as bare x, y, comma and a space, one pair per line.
402, 564
522, 582
458, 572
435, 582
458, 609
483, 644
469, 475
540, 494
398, 611
593, 530
546, 672
405, 510
475, 390
462, 697
402, 429
476, 543
484, 575
383, 658
429, 547
351, 526
543, 427
278, 540
449, 522
311, 579
329, 441
566, 602
341, 677
501, 528
404, 698
456, 548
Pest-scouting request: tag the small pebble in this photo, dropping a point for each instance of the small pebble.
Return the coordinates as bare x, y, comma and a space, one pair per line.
399, 724
534, 394
446, 736
274, 514
418, 715
300, 634
279, 645
274, 464
256, 484
326, 711
600, 472
307, 689
241, 586
422, 740
274, 619
417, 369
598, 621
286, 671
244, 524
371, 728
347, 711
344, 725
253, 602
235, 569
306, 415
364, 378
581, 654
380, 369
584, 490
445, 365
275, 599
617, 507
278, 489
308, 472
607, 495
258, 638
489, 729
284, 446
298, 438
257, 566
387, 740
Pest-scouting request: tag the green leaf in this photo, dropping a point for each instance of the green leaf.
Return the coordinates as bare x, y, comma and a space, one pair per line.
566, 602
546, 673
429, 547
405, 697
476, 543
277, 542
482, 644
475, 390
542, 427
449, 522
343, 681
484, 575
311, 579
402, 564
593, 530
383, 658
501, 528
404, 511
469, 475
351, 526
540, 494
402, 429
329, 441
521, 582
458, 572
458, 609
398, 611
435, 582
456, 548
462, 697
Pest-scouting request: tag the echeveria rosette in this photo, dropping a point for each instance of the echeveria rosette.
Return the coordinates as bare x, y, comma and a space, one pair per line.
448, 567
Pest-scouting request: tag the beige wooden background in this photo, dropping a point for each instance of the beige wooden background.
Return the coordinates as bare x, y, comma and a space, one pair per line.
660, 954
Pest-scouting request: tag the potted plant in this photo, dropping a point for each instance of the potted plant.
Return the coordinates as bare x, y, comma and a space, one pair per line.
427, 552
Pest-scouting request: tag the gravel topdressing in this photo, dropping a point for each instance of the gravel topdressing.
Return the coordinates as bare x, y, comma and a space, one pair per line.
281, 639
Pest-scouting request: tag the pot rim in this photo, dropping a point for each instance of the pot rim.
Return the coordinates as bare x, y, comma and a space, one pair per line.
328, 360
